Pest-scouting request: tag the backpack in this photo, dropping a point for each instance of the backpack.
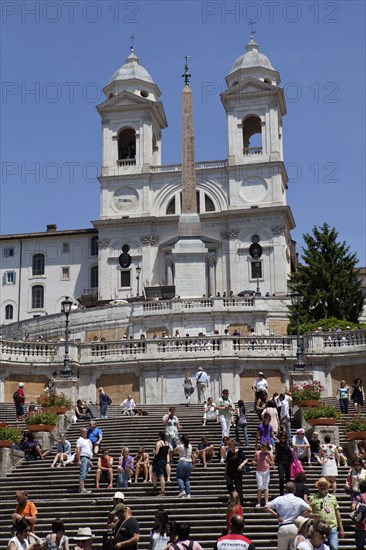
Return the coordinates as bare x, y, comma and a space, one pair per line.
16, 397
359, 513
109, 400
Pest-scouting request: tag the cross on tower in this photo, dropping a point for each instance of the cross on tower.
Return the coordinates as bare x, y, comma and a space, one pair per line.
132, 37
186, 74
252, 23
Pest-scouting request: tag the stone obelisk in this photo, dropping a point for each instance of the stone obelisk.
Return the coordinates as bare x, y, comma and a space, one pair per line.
189, 252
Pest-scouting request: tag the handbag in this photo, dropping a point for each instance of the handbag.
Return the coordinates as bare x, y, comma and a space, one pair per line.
296, 467
192, 389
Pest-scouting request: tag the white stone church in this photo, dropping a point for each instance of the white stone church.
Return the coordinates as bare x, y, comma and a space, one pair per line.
192, 249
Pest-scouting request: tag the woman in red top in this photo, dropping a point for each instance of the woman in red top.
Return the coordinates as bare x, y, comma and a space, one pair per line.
233, 508
104, 469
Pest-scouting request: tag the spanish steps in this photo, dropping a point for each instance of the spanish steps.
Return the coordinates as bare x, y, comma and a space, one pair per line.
54, 491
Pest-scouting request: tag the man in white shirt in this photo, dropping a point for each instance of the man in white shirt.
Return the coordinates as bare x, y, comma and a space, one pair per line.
286, 509
128, 406
202, 381
83, 455
259, 386
226, 409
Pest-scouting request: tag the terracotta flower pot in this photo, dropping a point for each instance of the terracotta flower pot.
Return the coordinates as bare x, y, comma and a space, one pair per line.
6, 444
353, 436
57, 410
321, 421
309, 403
40, 428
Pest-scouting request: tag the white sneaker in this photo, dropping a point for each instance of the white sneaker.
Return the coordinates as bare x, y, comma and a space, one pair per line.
182, 494
222, 461
187, 496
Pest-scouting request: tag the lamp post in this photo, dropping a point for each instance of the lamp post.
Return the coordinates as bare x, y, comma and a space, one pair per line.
138, 271
296, 300
66, 308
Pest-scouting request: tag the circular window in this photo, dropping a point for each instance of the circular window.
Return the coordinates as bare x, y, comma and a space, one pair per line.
144, 93
255, 239
110, 95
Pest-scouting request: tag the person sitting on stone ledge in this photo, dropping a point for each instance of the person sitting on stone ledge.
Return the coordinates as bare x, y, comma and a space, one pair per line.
82, 411
32, 447
25, 509
104, 470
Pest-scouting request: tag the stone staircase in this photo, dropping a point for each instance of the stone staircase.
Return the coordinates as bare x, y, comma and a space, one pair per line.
54, 491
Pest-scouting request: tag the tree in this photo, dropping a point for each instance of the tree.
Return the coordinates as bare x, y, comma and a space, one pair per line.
327, 279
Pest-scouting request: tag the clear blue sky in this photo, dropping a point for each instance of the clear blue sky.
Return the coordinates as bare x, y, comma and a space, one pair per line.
66, 52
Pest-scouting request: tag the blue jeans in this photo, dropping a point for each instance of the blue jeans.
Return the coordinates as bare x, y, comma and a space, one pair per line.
103, 410
333, 540
84, 467
244, 429
183, 472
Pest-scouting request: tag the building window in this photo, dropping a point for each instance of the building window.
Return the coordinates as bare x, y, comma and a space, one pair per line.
8, 251
252, 136
127, 144
125, 278
256, 270
9, 278
37, 297
38, 264
94, 246
65, 248
9, 312
94, 278
65, 273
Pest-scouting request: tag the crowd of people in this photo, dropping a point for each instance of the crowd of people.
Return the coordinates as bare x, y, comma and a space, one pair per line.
306, 518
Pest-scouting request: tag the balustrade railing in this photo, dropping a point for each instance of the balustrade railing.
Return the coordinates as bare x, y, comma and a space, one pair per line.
252, 151
263, 343
182, 345
191, 344
28, 349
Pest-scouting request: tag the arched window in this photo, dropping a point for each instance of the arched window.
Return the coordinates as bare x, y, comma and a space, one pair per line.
37, 297
127, 144
9, 312
171, 207
94, 246
209, 205
252, 136
94, 276
203, 201
38, 264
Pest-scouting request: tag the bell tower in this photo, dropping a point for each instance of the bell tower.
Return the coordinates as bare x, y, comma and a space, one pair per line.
133, 119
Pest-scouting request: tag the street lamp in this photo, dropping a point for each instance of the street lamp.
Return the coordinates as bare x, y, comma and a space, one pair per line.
296, 299
66, 308
138, 271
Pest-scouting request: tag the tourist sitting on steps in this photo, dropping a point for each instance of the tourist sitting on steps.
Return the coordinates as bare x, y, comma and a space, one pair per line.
82, 411
142, 464
63, 452
32, 447
25, 509
104, 470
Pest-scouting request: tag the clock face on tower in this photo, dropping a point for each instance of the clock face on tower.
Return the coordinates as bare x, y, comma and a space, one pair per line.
125, 199
253, 190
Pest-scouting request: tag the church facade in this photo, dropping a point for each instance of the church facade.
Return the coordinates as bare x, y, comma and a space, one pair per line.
240, 201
